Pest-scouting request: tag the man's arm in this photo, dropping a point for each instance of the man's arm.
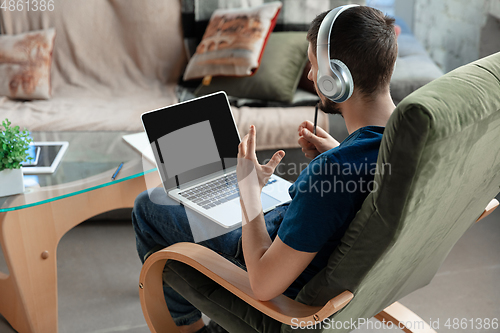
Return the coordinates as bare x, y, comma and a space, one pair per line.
272, 266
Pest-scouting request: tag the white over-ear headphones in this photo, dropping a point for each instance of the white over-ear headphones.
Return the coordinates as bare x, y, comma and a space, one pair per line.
334, 78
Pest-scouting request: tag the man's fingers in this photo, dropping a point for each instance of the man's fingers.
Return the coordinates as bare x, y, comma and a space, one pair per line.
275, 160
306, 124
309, 125
251, 140
310, 151
305, 144
311, 137
310, 156
242, 147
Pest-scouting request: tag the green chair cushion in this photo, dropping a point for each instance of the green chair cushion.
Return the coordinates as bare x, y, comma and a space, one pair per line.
441, 159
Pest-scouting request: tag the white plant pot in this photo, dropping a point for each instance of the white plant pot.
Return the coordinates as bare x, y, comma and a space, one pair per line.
11, 182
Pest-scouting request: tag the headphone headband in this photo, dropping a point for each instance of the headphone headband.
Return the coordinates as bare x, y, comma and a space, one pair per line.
334, 78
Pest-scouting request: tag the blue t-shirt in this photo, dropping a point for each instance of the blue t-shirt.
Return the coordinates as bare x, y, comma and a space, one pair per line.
327, 196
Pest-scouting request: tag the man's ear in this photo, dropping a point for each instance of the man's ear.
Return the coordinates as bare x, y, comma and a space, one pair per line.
304, 82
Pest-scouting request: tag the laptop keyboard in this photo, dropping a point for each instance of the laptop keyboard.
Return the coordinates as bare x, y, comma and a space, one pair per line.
215, 192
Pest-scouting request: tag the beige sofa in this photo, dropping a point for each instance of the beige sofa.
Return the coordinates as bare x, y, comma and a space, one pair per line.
114, 60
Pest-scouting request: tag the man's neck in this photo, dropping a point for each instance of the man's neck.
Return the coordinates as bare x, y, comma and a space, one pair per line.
359, 112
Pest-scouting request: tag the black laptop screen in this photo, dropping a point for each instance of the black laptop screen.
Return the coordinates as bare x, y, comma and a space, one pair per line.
192, 139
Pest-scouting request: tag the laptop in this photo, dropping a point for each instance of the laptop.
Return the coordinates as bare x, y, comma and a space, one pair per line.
195, 146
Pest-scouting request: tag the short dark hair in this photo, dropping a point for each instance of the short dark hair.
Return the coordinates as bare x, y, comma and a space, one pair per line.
364, 39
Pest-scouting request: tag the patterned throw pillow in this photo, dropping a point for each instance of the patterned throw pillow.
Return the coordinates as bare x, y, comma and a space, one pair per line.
25, 62
296, 15
233, 42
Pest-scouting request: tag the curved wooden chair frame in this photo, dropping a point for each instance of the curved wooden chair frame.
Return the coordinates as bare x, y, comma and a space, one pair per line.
235, 280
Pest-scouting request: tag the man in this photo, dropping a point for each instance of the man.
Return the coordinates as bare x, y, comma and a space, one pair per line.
285, 248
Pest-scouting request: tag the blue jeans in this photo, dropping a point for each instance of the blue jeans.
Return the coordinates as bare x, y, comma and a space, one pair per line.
160, 221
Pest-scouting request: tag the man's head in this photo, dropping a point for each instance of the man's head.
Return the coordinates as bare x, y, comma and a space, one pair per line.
364, 39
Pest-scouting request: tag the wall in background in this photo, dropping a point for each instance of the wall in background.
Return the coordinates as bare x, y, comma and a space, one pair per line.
386, 6
452, 30
404, 10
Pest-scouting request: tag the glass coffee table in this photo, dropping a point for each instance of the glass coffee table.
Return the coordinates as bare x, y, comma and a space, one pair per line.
32, 223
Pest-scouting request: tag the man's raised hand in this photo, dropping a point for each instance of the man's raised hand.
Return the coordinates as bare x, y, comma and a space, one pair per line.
247, 160
252, 176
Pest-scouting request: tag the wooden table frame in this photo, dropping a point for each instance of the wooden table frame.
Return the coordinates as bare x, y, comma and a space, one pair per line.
29, 239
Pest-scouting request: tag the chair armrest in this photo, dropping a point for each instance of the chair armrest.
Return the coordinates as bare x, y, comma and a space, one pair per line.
232, 278
490, 208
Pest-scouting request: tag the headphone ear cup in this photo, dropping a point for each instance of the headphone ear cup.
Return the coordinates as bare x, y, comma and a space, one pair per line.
329, 85
344, 77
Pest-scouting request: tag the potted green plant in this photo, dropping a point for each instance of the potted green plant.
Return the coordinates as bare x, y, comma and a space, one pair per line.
13, 151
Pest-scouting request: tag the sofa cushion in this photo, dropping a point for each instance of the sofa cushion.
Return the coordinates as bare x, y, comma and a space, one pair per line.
294, 16
278, 75
129, 46
25, 61
233, 42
